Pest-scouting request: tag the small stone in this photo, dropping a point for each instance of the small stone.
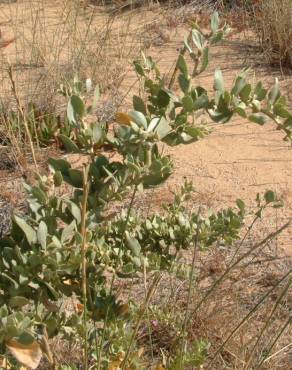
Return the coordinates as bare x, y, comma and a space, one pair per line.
5, 217
7, 162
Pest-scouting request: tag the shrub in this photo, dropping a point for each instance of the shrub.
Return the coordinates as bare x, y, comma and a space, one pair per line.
69, 246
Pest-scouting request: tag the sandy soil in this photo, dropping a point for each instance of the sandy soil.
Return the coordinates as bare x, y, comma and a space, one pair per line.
236, 160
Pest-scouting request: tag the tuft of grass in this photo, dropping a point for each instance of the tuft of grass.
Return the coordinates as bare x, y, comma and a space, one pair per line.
272, 20
43, 44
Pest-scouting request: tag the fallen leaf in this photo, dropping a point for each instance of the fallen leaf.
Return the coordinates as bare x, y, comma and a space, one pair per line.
28, 355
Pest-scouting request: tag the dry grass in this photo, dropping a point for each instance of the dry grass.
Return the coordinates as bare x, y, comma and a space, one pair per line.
220, 314
49, 43
272, 20
55, 41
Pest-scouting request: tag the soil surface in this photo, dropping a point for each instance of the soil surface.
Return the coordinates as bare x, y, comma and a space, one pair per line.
238, 159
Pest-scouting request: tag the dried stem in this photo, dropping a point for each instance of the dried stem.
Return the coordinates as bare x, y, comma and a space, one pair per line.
24, 120
141, 314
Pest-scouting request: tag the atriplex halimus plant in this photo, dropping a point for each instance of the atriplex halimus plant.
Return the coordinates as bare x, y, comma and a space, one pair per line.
71, 247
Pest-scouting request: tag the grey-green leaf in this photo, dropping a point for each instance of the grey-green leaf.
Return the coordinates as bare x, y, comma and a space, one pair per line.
215, 22
138, 118
17, 302
133, 245
139, 104
187, 102
218, 82
205, 59
77, 105
274, 93
59, 165
163, 128
67, 232
270, 196
42, 233
182, 65
97, 134
69, 144
198, 39
258, 118
27, 229
162, 98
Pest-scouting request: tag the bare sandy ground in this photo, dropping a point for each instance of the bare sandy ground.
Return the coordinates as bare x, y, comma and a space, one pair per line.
238, 159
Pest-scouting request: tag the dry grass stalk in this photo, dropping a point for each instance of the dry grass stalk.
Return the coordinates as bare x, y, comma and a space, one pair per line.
272, 20
55, 42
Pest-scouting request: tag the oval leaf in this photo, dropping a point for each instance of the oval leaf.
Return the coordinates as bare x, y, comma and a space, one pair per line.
139, 119
133, 245
77, 105
27, 229
70, 146
18, 302
42, 234
139, 104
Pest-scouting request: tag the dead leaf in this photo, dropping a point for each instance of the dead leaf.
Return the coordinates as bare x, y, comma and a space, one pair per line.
28, 355
123, 118
79, 307
140, 352
123, 309
114, 365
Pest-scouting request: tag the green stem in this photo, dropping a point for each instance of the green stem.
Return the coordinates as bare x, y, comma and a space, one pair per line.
114, 275
190, 290
141, 314
83, 261
244, 238
147, 314
176, 68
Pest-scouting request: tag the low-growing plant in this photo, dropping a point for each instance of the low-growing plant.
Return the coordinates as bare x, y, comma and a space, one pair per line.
71, 246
